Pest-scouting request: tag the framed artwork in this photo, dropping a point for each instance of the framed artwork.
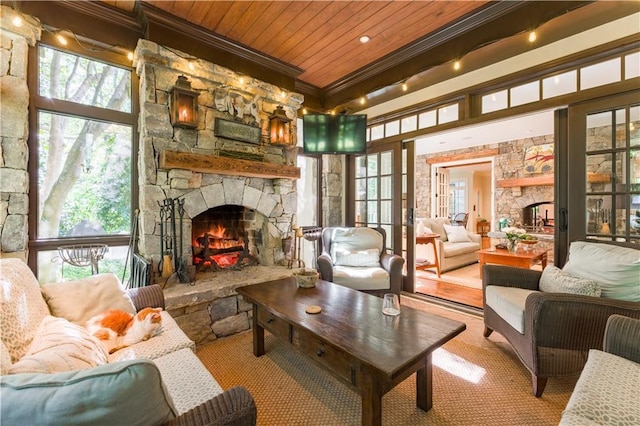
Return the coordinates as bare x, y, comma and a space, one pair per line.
539, 159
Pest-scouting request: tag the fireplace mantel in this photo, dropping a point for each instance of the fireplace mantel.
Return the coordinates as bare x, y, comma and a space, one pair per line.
205, 163
548, 180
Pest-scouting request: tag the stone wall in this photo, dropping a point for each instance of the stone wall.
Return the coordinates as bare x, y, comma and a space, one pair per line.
509, 163
333, 190
222, 94
14, 131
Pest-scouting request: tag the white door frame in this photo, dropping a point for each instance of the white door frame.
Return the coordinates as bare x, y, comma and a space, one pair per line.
435, 166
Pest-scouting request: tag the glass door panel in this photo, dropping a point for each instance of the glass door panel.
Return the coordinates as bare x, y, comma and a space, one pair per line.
604, 169
380, 177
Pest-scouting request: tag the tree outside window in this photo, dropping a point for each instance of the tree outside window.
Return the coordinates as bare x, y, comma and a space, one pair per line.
84, 173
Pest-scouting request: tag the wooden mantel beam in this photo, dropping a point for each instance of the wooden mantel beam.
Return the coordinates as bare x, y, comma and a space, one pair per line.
547, 180
205, 163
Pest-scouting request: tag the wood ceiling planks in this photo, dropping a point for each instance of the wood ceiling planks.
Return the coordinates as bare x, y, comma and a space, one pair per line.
321, 37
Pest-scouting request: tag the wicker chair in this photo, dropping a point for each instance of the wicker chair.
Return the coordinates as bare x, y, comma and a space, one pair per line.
361, 279
559, 328
460, 219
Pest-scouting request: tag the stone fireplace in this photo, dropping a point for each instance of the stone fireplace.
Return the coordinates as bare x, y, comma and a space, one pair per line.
249, 187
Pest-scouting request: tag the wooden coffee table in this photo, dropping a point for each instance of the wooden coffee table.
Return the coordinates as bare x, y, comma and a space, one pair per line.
352, 338
522, 258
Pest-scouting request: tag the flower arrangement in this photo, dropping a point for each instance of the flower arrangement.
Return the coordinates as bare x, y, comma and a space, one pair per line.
514, 235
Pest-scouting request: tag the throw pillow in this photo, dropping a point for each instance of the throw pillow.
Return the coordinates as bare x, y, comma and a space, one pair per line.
555, 280
354, 239
457, 234
436, 224
5, 359
128, 392
60, 346
370, 257
21, 306
82, 299
616, 269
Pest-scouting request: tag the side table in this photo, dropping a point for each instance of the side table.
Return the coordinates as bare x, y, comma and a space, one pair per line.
429, 239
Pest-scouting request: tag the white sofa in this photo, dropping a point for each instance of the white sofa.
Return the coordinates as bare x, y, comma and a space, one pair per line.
451, 254
54, 372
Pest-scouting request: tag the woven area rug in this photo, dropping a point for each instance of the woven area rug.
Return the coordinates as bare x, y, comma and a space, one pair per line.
468, 276
477, 381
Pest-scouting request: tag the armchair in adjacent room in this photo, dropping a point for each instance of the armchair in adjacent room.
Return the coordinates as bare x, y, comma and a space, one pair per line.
552, 318
356, 257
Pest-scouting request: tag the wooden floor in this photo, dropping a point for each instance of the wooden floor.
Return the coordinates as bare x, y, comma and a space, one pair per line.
452, 292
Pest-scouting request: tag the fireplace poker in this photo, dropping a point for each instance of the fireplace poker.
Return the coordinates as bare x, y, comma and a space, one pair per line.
181, 269
161, 237
167, 267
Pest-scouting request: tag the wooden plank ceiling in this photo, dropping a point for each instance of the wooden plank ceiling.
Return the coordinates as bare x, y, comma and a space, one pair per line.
319, 37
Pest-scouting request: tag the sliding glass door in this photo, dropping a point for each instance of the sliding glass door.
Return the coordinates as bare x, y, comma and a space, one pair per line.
602, 157
383, 195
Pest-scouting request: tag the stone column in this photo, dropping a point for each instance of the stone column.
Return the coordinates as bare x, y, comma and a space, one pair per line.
14, 130
333, 190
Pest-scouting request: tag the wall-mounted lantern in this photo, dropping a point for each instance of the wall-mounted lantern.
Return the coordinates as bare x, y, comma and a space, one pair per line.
280, 127
184, 104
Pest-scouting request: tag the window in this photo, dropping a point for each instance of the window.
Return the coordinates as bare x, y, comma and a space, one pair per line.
83, 169
457, 197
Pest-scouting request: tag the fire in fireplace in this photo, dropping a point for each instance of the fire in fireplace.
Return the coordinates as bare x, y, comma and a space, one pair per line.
223, 238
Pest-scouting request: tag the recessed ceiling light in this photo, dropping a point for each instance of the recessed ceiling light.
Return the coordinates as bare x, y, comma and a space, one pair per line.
364, 39
532, 36
456, 65
362, 100
404, 87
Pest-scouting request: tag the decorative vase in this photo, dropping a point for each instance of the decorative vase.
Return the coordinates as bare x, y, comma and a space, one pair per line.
512, 245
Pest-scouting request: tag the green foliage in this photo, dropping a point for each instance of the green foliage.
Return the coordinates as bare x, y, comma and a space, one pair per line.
115, 266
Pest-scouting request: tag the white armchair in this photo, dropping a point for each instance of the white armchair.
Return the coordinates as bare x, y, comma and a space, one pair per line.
357, 258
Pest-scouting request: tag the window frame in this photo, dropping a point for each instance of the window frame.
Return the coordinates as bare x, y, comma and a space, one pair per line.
39, 103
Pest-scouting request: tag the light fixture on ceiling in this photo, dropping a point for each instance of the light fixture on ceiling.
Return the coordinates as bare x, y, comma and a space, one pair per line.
362, 100
532, 36
304, 110
404, 87
241, 81
364, 39
17, 21
191, 66
456, 65
283, 95
130, 56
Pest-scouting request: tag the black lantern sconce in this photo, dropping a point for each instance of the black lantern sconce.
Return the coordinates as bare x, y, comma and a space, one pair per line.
184, 104
280, 127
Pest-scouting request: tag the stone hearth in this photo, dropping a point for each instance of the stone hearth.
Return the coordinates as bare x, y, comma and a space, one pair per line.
211, 308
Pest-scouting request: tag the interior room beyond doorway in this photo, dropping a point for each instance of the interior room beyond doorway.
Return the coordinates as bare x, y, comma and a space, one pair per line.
477, 160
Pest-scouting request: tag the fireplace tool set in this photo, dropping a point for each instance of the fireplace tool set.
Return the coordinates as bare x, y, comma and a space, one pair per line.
171, 225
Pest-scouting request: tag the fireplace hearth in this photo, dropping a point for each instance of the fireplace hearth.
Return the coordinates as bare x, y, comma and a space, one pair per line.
225, 237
